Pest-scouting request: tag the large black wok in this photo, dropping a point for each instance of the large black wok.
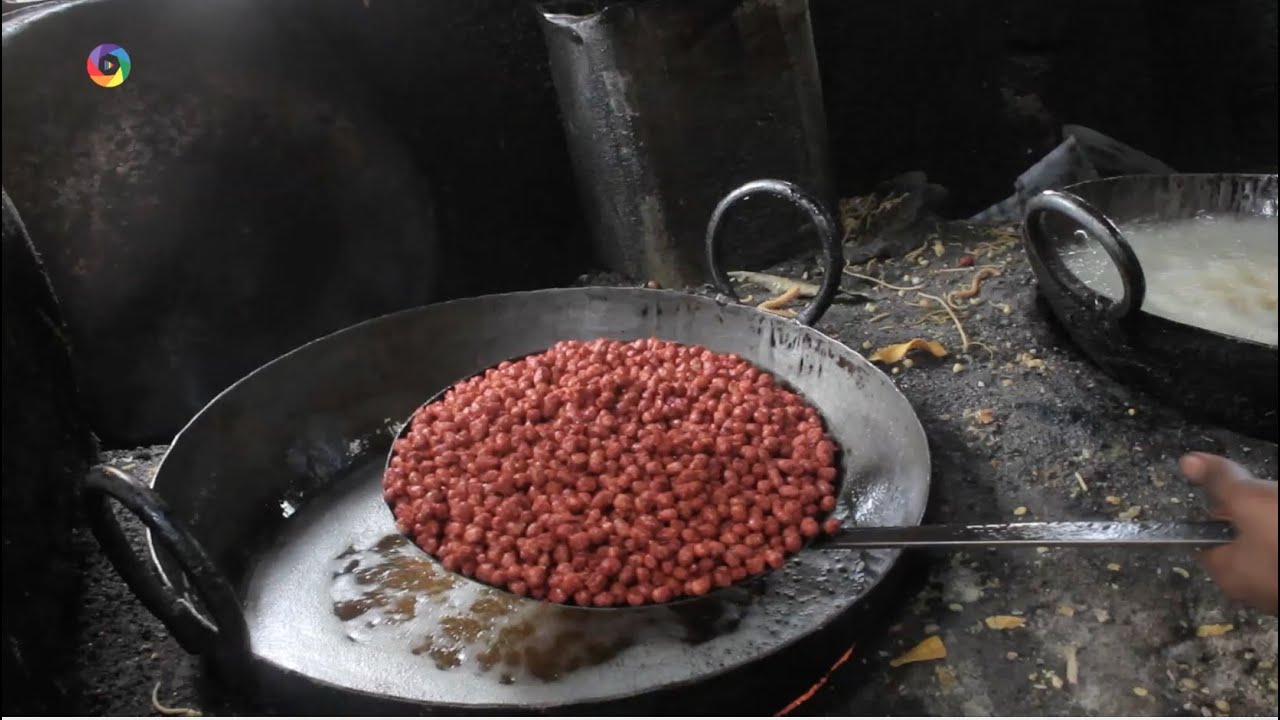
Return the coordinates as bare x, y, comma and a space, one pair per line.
1222, 378
267, 514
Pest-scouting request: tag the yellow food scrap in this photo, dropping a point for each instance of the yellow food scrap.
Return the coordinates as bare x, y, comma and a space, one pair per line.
986, 416
891, 354
1140, 691
1020, 511
931, 648
776, 303
1073, 664
1030, 361
1182, 572
1222, 705
1066, 611
1113, 567
1131, 513
171, 711
1005, 622
1205, 631
1054, 680
1113, 500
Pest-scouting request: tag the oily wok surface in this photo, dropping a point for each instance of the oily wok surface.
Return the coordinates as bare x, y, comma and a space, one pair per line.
260, 475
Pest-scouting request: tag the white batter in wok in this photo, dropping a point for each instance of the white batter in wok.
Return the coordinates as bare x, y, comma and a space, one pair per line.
1213, 272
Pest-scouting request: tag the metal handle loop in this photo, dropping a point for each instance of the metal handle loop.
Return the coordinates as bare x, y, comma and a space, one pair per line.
225, 637
833, 255
1101, 229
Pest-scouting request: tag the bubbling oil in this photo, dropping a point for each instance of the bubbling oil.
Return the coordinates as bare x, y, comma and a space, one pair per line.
341, 596
337, 596
1213, 272
389, 593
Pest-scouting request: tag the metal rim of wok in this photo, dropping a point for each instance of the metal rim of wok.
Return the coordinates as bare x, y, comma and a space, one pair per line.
891, 488
1221, 378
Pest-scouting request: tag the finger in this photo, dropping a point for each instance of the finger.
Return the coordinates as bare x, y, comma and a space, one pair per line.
1218, 563
1254, 503
1218, 476
1198, 468
1194, 466
1203, 468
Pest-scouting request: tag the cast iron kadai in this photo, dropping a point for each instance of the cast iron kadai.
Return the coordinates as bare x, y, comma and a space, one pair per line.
280, 474
272, 480
1034, 534
1221, 378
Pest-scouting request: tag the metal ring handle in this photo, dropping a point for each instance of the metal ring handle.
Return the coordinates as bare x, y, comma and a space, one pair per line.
833, 254
226, 638
1100, 228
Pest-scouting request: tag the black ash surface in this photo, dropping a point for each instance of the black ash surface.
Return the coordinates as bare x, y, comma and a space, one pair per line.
1063, 442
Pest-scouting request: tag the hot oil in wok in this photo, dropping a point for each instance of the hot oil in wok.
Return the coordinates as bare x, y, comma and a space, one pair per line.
1217, 273
379, 592
290, 591
390, 589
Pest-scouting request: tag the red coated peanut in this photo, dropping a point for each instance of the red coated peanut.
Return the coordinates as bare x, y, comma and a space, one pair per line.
609, 473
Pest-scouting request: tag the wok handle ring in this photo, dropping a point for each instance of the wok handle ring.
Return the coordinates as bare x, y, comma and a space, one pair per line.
1099, 227
225, 639
833, 254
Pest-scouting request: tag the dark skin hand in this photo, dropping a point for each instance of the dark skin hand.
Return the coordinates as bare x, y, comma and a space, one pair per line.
1245, 570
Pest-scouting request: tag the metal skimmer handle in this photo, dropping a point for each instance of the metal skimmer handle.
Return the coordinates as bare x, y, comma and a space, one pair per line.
1192, 534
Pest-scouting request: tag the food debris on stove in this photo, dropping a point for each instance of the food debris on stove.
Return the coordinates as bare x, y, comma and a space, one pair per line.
1005, 622
891, 354
1217, 630
931, 648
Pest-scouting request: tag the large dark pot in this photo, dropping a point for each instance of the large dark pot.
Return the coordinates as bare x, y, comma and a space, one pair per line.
1221, 378
270, 172
47, 449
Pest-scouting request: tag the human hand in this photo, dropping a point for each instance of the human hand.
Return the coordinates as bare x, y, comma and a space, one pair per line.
1246, 568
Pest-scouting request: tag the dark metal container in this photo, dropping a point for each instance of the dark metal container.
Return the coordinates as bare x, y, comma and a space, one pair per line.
268, 515
1222, 378
669, 104
47, 449
270, 172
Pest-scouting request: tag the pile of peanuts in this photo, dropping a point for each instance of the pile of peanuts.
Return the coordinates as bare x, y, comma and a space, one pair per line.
609, 473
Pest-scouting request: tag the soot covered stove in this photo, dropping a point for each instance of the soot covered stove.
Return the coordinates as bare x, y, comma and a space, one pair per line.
1020, 426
